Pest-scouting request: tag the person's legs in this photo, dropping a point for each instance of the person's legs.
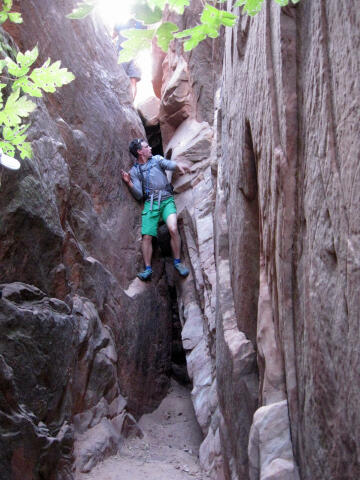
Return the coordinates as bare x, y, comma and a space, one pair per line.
175, 240
147, 249
149, 223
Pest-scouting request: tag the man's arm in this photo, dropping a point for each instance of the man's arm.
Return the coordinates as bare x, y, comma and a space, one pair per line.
171, 165
134, 184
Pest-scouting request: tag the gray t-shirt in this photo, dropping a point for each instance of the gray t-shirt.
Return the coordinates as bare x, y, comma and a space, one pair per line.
154, 176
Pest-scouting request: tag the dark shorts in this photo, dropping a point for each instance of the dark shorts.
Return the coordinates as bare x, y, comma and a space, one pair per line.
132, 70
150, 218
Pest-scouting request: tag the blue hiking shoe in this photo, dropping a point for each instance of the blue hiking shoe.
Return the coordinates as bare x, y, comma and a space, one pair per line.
183, 271
145, 275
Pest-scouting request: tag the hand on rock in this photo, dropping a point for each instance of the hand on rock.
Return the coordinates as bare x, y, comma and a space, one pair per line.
183, 168
125, 176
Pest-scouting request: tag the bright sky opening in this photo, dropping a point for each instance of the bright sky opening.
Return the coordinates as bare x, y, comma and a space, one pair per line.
113, 12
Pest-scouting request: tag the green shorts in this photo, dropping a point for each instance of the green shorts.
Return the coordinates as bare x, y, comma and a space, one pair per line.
150, 219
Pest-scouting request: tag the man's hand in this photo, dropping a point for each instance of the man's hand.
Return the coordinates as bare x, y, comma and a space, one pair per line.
125, 176
183, 168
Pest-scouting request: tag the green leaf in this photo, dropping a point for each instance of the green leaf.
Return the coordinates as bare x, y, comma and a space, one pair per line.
28, 58
82, 10
8, 133
137, 40
14, 69
149, 16
48, 77
27, 86
8, 149
3, 17
165, 34
15, 17
282, 3
196, 34
251, 7
15, 136
18, 139
212, 19
7, 5
25, 150
178, 5
15, 109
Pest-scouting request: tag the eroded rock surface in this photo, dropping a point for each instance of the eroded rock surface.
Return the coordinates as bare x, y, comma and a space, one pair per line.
285, 136
279, 185
39, 340
269, 223
70, 228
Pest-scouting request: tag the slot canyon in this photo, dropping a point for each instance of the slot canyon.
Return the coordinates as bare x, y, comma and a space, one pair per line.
247, 369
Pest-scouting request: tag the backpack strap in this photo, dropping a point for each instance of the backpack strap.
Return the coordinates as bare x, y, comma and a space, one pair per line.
144, 184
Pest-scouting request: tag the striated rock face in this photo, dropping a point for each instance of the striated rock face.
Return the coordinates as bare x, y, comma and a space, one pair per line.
269, 229
265, 118
39, 340
59, 384
70, 229
270, 450
287, 123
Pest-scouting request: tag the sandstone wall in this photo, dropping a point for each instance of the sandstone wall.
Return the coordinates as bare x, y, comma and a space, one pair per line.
269, 223
287, 134
70, 229
283, 189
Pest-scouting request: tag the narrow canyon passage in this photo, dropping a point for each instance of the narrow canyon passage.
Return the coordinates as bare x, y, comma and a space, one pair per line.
262, 335
168, 449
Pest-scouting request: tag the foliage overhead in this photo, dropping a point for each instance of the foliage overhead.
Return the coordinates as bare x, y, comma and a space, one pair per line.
211, 21
6, 13
252, 7
22, 81
82, 10
136, 40
150, 13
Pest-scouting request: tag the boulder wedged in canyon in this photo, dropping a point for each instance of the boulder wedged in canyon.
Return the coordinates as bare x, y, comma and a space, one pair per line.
270, 449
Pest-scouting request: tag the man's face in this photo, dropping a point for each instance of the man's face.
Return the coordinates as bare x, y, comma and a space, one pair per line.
145, 150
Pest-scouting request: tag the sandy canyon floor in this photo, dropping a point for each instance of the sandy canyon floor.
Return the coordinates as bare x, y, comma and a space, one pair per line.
168, 450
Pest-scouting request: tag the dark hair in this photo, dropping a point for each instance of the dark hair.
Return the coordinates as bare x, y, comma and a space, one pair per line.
135, 146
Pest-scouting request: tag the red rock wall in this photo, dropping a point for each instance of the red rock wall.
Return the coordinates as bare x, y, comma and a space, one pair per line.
70, 227
294, 71
269, 222
283, 184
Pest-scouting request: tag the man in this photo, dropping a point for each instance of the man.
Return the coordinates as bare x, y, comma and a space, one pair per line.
147, 179
131, 69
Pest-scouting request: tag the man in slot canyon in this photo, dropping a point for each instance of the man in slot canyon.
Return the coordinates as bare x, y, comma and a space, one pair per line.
147, 180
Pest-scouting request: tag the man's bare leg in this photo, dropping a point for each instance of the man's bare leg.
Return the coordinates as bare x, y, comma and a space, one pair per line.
147, 249
175, 240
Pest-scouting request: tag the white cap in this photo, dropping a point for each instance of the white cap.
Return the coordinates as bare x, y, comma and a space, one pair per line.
9, 162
